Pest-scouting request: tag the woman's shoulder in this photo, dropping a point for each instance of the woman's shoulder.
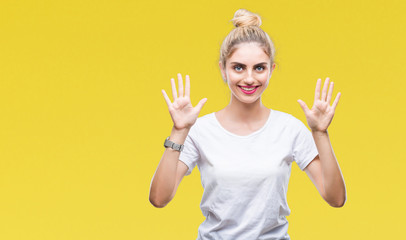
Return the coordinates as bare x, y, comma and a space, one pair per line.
286, 118
204, 118
280, 115
202, 122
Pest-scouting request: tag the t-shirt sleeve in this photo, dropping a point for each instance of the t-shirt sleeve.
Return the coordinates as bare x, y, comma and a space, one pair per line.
190, 154
304, 147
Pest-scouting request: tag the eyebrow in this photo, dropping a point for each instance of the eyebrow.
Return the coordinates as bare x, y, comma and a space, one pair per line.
246, 65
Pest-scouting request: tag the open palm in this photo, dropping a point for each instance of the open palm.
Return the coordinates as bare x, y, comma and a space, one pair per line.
183, 114
320, 116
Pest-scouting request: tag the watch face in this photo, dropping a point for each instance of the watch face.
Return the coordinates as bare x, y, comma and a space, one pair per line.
167, 143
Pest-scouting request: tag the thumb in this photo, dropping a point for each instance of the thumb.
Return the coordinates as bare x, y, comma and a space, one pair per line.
303, 105
199, 106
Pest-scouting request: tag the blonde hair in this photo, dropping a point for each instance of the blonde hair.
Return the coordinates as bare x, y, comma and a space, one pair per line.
246, 30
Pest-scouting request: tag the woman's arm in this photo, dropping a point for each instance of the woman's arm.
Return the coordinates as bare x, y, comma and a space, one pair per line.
169, 174
325, 173
166, 178
324, 170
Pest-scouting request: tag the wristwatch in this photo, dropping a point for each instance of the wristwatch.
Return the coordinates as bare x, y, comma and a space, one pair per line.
175, 146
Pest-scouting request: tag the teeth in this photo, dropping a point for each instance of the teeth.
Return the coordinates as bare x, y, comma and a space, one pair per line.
248, 89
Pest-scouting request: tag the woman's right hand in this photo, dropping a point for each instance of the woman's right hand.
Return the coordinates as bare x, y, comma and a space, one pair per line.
183, 114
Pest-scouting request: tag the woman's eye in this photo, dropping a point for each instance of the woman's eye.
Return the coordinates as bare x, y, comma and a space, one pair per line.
237, 67
261, 67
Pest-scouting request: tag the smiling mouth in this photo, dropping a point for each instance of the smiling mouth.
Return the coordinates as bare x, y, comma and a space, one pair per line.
249, 90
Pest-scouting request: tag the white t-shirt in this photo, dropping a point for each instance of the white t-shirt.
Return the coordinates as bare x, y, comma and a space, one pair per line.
245, 178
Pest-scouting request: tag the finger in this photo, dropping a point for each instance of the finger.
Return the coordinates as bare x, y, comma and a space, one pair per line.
304, 106
335, 103
180, 82
317, 91
174, 94
167, 100
330, 93
199, 106
187, 86
324, 92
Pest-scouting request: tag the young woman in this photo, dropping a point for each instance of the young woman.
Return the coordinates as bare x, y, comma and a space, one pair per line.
244, 152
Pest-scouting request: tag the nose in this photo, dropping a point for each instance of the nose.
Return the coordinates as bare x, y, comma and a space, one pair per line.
249, 79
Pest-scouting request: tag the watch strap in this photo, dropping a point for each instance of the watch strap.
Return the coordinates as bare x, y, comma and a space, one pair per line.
175, 146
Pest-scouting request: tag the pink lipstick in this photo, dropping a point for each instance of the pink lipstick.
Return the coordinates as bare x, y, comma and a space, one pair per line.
248, 91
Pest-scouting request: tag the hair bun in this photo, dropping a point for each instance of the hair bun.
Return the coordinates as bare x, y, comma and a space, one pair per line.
243, 17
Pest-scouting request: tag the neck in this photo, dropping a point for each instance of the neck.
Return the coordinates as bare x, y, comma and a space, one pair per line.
246, 112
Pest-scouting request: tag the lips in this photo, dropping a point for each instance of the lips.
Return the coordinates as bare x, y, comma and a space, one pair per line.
248, 89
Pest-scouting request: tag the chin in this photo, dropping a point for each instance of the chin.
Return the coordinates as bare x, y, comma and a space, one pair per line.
247, 100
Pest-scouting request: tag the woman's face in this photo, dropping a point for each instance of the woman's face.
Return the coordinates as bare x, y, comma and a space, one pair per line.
247, 72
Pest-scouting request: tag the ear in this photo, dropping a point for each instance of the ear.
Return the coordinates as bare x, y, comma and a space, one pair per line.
222, 71
273, 67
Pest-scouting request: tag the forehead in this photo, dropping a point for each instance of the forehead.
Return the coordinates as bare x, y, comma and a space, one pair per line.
249, 53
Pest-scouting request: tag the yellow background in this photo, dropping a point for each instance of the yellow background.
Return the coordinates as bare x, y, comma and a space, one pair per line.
83, 119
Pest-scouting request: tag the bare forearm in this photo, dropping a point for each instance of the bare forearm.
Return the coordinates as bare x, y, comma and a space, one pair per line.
333, 181
163, 181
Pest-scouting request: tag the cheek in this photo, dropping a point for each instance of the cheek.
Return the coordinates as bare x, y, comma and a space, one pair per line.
263, 78
266, 84
233, 76
265, 81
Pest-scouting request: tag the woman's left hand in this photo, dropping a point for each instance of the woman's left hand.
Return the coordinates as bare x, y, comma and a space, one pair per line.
320, 116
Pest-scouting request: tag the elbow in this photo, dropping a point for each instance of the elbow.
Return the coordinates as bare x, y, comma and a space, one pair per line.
338, 204
337, 200
158, 198
157, 204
